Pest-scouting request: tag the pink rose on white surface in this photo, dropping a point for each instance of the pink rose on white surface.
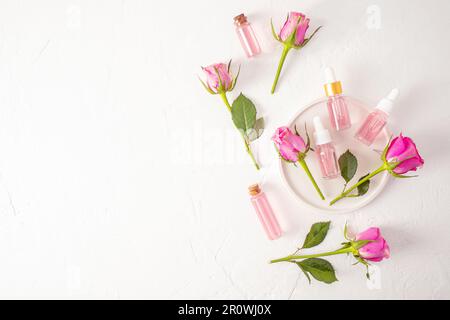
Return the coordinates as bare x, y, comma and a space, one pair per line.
293, 36
377, 249
403, 150
220, 81
218, 77
367, 246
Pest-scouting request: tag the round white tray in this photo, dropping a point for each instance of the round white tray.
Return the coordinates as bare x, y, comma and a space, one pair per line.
368, 160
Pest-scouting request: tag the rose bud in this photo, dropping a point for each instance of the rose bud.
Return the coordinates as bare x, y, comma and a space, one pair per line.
292, 36
290, 145
292, 148
377, 249
298, 23
402, 152
219, 78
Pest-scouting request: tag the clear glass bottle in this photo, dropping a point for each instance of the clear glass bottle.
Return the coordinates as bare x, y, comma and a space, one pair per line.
325, 151
376, 120
264, 212
247, 36
336, 104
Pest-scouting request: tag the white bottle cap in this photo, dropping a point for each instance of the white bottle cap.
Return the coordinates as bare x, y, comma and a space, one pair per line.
387, 103
321, 135
330, 77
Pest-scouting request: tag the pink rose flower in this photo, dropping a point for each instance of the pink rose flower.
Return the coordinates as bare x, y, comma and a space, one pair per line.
290, 25
293, 36
301, 31
216, 72
403, 150
288, 144
373, 251
297, 22
399, 157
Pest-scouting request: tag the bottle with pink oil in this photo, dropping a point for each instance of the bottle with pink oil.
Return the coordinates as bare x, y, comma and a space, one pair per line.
264, 212
336, 103
376, 120
247, 36
325, 151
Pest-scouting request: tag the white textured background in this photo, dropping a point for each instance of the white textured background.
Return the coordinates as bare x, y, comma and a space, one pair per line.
120, 177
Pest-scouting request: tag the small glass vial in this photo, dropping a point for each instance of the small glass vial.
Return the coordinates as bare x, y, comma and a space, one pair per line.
337, 106
326, 154
376, 120
264, 212
247, 36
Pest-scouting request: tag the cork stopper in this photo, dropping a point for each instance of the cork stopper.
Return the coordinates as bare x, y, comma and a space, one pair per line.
254, 190
240, 19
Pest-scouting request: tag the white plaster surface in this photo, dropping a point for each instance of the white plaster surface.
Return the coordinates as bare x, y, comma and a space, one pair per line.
120, 177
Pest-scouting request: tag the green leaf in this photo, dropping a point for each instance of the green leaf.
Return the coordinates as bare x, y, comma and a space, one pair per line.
316, 235
363, 188
320, 269
257, 130
348, 165
243, 112
304, 271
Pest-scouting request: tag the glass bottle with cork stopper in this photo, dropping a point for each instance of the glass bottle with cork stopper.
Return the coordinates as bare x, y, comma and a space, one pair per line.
264, 212
246, 36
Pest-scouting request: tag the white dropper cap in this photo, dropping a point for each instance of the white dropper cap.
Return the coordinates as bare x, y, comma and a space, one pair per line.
330, 77
321, 135
387, 103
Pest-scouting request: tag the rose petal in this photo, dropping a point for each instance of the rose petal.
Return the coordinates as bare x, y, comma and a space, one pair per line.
369, 234
373, 249
301, 31
288, 153
396, 148
288, 144
403, 150
212, 78
408, 165
290, 25
297, 142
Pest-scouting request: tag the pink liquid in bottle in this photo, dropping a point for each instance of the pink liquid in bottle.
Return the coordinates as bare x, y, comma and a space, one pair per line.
372, 127
247, 36
337, 105
325, 152
326, 155
264, 212
376, 120
338, 112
